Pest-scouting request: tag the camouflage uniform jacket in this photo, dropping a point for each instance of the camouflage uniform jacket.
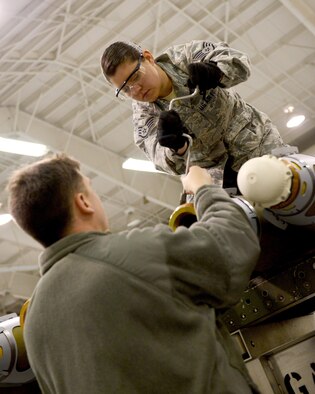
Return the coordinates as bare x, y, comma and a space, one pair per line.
221, 125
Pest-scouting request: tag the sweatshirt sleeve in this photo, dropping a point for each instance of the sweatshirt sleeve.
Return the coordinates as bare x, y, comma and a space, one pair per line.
211, 262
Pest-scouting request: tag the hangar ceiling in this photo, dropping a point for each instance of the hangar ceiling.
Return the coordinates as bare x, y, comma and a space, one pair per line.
52, 92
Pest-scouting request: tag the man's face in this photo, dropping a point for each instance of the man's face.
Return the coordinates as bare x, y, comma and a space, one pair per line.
139, 80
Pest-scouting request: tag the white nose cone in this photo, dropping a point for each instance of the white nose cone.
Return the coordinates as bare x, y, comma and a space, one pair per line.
265, 180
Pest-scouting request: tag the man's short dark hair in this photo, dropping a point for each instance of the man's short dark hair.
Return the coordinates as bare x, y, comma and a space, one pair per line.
40, 197
118, 53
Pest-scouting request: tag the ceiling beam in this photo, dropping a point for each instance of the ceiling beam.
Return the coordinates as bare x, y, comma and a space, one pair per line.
164, 191
302, 11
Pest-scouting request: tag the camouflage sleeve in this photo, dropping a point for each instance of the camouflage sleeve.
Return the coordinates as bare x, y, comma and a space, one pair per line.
216, 173
233, 63
145, 120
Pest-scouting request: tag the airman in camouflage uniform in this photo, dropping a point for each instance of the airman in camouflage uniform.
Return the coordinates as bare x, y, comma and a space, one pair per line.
221, 124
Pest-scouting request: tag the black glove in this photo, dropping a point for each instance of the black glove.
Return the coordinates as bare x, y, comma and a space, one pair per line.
204, 75
170, 130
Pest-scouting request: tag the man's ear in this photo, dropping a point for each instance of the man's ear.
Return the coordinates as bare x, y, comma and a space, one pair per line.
148, 56
83, 203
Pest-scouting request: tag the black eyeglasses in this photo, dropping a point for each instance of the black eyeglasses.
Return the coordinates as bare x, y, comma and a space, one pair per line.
118, 90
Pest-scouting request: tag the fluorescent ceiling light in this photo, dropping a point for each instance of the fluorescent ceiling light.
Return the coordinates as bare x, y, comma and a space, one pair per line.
22, 147
295, 121
139, 165
5, 218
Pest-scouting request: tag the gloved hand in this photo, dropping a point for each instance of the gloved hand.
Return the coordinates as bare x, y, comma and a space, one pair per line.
204, 75
170, 130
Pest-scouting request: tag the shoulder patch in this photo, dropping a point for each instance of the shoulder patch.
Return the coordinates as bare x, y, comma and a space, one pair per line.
206, 48
144, 130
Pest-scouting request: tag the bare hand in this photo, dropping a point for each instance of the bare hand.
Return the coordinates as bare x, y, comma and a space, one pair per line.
196, 178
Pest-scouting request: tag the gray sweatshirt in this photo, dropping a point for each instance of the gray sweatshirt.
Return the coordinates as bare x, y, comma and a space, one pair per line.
135, 312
